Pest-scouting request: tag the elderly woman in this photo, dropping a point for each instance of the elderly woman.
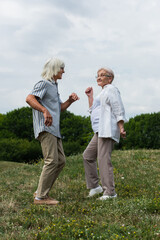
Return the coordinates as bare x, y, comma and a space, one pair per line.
46, 104
107, 118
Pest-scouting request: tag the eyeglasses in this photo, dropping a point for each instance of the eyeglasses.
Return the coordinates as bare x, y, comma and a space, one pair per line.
103, 75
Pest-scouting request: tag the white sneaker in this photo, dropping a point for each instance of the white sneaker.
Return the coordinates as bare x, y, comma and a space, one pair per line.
94, 191
105, 197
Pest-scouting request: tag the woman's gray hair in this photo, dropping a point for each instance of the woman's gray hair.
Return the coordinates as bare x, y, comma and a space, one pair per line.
108, 70
51, 68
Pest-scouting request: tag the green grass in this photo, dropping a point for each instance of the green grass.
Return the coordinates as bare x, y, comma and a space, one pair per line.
135, 214
5, 165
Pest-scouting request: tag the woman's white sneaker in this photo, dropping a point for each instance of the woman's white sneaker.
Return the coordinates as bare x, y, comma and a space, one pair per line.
95, 191
105, 197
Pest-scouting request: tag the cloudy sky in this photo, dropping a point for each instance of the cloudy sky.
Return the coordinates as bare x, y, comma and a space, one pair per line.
88, 34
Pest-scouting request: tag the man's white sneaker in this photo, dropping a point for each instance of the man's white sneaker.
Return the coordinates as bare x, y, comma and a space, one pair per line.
105, 197
95, 191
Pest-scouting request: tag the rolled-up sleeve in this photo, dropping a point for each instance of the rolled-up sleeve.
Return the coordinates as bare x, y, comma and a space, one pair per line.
116, 104
90, 110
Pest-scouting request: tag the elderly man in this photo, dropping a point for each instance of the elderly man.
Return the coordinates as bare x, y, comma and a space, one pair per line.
46, 104
107, 117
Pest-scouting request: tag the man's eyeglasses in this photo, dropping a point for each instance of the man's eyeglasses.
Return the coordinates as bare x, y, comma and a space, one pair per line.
103, 75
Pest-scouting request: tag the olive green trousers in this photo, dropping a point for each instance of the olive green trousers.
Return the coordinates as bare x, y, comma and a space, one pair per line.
54, 161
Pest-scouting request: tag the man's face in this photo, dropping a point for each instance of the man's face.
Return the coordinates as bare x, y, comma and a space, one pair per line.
103, 78
59, 74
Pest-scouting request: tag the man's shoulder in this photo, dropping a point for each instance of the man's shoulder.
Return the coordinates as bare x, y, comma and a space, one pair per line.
43, 84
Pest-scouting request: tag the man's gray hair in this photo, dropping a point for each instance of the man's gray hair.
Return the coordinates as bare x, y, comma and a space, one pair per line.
51, 68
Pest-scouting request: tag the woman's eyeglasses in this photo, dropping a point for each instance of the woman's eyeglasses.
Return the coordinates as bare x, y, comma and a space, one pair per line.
103, 75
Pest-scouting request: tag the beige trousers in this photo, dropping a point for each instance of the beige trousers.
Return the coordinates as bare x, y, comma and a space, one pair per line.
101, 149
54, 161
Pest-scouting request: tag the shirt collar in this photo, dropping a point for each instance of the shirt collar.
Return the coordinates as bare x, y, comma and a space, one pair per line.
52, 81
105, 86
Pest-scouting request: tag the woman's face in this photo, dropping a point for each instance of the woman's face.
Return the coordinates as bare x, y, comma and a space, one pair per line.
59, 74
103, 78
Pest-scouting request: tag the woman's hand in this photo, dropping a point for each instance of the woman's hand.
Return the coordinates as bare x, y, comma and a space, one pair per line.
121, 129
122, 132
89, 92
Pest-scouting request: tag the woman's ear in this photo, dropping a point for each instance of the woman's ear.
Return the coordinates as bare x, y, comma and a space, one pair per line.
110, 80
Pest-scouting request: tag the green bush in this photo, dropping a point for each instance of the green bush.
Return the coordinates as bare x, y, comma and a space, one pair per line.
18, 144
19, 123
72, 148
76, 132
142, 132
19, 150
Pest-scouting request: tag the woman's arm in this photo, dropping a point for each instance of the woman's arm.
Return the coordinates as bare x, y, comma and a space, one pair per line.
121, 128
118, 109
89, 93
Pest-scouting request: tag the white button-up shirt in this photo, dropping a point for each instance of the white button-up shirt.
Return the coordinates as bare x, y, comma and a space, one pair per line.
110, 113
95, 113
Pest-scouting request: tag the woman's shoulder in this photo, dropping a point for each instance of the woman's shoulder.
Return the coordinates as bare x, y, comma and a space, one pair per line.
110, 91
111, 88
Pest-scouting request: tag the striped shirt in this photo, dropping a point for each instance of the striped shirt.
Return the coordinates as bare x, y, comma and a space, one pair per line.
47, 95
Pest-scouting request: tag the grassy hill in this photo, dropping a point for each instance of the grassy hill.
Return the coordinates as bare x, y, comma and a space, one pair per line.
135, 214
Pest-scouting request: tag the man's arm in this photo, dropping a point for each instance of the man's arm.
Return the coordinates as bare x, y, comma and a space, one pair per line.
72, 98
32, 101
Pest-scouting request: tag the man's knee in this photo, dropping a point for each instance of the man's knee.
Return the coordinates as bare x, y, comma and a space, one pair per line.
84, 155
51, 162
64, 162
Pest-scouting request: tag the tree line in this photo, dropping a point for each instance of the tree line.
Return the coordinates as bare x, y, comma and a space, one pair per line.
143, 131
17, 141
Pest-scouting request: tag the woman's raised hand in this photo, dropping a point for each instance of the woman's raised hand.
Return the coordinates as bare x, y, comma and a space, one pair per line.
89, 91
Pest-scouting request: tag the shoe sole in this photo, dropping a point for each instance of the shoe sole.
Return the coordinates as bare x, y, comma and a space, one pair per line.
45, 203
95, 194
109, 197
34, 196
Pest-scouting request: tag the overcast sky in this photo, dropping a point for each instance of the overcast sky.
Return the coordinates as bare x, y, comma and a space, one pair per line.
88, 34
